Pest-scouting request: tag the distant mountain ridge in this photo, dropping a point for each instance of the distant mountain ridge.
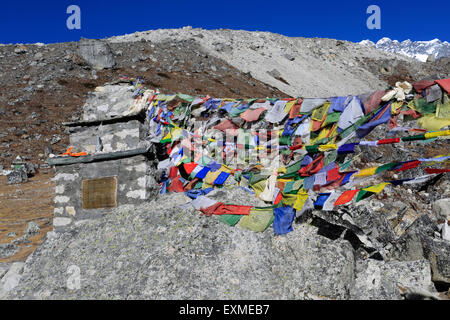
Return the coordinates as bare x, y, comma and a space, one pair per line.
419, 50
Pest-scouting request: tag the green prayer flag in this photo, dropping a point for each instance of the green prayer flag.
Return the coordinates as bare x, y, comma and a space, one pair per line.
332, 118
386, 167
285, 140
185, 97
424, 107
288, 186
312, 149
331, 157
412, 138
294, 167
363, 194
255, 178
230, 219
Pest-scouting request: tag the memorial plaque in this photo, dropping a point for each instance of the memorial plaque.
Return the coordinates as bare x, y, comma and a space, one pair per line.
99, 193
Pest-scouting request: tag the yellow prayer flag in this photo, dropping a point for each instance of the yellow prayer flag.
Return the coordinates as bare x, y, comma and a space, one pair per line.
326, 147
259, 187
289, 199
322, 135
177, 133
167, 138
430, 135
320, 113
225, 168
302, 196
281, 170
432, 123
366, 172
395, 106
377, 188
206, 185
211, 176
443, 108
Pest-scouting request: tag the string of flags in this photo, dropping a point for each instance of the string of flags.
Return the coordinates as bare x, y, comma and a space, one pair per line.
294, 154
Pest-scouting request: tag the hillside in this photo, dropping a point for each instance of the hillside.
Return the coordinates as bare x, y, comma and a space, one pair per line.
392, 245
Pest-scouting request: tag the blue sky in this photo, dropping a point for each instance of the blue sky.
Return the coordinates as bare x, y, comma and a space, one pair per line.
45, 21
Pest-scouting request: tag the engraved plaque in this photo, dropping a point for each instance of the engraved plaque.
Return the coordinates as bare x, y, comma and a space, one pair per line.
99, 193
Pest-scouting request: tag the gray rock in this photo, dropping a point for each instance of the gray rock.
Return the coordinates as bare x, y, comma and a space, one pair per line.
274, 73
48, 150
410, 245
445, 231
7, 250
55, 139
20, 50
4, 267
30, 168
441, 208
419, 242
289, 57
96, 53
61, 222
437, 251
179, 254
17, 176
11, 279
379, 280
38, 56
32, 228
222, 47
21, 240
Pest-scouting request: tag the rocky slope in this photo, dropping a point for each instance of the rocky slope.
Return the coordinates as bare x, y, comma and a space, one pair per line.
42, 86
309, 67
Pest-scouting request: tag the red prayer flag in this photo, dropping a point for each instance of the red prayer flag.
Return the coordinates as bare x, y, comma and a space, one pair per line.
278, 198
250, 115
220, 208
433, 170
388, 141
295, 110
445, 84
189, 167
419, 86
333, 174
173, 172
409, 165
346, 197
176, 185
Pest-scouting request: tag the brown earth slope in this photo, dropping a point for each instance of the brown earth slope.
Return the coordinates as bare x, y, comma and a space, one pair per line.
41, 87
20, 204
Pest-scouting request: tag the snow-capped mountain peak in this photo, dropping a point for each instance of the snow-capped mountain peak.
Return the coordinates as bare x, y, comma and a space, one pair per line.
419, 50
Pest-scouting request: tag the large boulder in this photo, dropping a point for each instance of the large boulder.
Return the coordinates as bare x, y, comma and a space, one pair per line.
11, 279
379, 280
96, 53
420, 242
4, 267
437, 251
441, 208
159, 251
